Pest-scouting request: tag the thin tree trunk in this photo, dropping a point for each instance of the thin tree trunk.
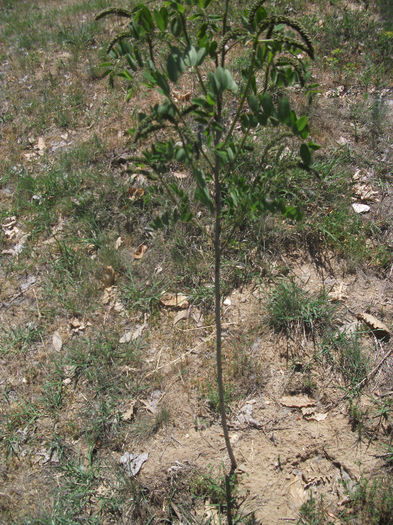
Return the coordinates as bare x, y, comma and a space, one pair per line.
217, 291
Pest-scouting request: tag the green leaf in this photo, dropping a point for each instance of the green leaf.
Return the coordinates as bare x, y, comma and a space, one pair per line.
138, 56
161, 18
131, 62
313, 146
230, 153
305, 154
284, 110
267, 104
301, 123
253, 102
175, 64
176, 27
221, 78
150, 79
191, 57
180, 155
304, 134
162, 82
260, 15
172, 68
223, 155
201, 55
202, 195
232, 86
210, 99
145, 18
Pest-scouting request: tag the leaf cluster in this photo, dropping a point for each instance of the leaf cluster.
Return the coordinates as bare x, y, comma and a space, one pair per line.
208, 130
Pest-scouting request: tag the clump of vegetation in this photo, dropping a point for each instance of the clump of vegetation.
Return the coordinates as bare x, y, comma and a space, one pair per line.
290, 309
372, 501
312, 512
344, 351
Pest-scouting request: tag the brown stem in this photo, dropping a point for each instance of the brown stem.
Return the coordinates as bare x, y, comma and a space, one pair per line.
217, 292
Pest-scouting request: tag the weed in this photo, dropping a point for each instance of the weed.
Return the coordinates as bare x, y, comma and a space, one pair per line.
372, 501
52, 398
213, 399
97, 358
345, 353
291, 309
357, 417
145, 296
147, 426
208, 487
26, 413
19, 339
312, 512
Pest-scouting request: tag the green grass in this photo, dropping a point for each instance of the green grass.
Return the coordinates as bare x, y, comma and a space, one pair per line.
146, 426
20, 339
372, 501
345, 353
312, 512
291, 310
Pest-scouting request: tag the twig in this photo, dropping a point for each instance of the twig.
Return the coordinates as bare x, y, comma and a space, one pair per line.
374, 371
386, 394
202, 327
180, 358
36, 302
7, 305
177, 441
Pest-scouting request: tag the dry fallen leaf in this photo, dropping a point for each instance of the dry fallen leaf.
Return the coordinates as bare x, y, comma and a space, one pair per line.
30, 156
135, 193
138, 332
41, 146
211, 513
297, 492
182, 315
338, 294
197, 316
132, 463
297, 401
118, 243
180, 174
182, 97
128, 414
75, 323
107, 295
109, 276
318, 416
176, 300
365, 193
57, 341
140, 251
126, 338
379, 329
118, 307
8, 222
69, 370
310, 414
